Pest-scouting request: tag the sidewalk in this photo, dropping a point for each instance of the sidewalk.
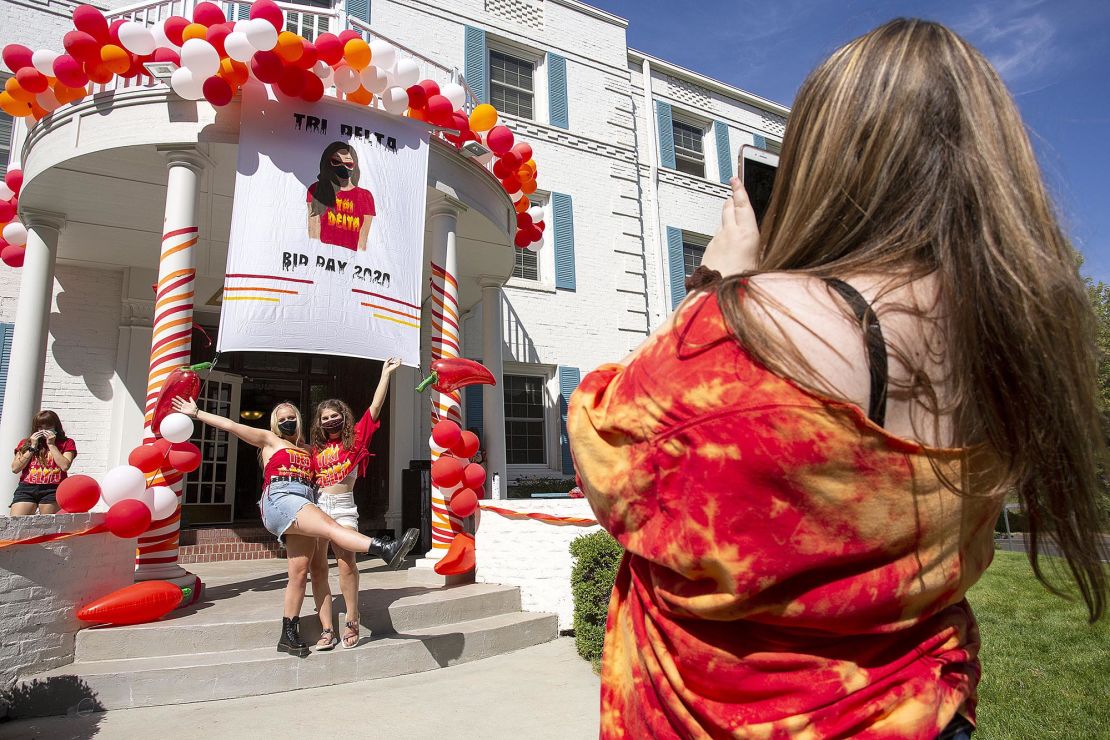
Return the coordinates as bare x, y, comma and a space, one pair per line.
545, 691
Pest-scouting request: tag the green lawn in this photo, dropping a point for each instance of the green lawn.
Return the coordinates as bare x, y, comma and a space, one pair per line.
1046, 672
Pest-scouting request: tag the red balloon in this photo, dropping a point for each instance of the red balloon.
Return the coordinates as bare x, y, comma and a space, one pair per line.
174, 26
69, 71
128, 518
501, 170
113, 31
216, 36
447, 471
13, 178
146, 458
98, 72
511, 184
77, 494
541, 225
474, 476
134, 604
521, 239
430, 87
463, 502
13, 255
268, 11
184, 457
309, 56
418, 99
162, 54
523, 150
163, 445
330, 48
208, 14
347, 35
523, 221
313, 88
534, 233
467, 446
500, 139
7, 211
90, 20
291, 81
267, 66
217, 91
17, 57
446, 434
439, 109
81, 45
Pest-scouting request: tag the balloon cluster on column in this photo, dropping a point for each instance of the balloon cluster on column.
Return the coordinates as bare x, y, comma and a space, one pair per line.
453, 473
14, 239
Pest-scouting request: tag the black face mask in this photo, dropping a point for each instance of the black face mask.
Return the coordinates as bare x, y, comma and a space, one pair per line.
288, 427
342, 172
332, 425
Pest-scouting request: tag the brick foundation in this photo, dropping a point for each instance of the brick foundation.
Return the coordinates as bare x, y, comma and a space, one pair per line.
228, 543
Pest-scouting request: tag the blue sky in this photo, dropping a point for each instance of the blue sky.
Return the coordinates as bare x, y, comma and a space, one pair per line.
1053, 54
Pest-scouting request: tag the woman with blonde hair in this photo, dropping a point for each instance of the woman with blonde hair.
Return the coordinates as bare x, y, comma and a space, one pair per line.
289, 511
806, 462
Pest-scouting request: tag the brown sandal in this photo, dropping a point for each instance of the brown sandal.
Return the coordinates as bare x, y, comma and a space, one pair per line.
351, 632
327, 640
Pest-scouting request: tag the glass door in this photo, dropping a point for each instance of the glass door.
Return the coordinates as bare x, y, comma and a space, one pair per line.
209, 496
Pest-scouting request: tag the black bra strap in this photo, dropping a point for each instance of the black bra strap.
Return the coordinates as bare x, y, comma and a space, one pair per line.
876, 347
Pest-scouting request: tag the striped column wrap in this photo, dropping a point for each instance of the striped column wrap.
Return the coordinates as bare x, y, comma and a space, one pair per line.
445, 343
171, 347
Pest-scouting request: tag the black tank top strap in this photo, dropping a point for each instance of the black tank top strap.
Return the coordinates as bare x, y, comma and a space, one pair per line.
876, 347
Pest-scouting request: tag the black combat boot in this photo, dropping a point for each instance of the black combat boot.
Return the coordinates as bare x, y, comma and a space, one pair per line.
290, 641
392, 551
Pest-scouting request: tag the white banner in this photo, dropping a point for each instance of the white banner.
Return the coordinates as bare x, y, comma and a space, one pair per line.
327, 231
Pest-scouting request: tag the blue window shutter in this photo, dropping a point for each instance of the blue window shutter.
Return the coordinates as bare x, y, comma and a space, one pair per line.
6, 333
562, 207
557, 90
359, 9
474, 408
724, 151
242, 11
569, 378
677, 265
760, 141
666, 134
476, 63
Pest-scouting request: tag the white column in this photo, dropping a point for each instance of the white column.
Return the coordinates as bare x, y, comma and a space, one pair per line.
23, 392
493, 396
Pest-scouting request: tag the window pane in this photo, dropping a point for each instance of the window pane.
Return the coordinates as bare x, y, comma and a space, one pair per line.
510, 101
524, 442
687, 137
691, 257
689, 166
523, 397
510, 71
527, 265
5, 132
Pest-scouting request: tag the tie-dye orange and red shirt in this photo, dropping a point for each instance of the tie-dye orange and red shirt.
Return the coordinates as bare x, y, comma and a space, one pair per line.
333, 462
791, 570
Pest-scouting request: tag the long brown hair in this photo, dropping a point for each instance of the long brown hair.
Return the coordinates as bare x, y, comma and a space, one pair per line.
906, 156
320, 436
45, 419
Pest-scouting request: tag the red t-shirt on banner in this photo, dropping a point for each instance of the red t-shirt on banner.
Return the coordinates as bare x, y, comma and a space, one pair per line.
46, 473
341, 224
333, 463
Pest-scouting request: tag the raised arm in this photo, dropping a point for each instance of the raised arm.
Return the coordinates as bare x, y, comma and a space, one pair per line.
260, 438
382, 391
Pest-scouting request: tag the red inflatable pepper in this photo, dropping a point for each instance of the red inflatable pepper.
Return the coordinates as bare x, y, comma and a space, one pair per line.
182, 382
453, 373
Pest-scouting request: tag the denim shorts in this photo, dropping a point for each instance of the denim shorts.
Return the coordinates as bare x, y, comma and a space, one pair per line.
340, 507
280, 503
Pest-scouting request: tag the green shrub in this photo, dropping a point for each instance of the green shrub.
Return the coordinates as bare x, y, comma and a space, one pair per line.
596, 558
524, 487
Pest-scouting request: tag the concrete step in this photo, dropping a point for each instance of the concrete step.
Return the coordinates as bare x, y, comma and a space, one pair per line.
179, 679
256, 623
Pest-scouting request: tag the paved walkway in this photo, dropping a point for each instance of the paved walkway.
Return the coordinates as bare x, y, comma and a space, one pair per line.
536, 693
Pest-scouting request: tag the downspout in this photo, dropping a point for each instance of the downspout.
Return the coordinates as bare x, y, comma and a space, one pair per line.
653, 193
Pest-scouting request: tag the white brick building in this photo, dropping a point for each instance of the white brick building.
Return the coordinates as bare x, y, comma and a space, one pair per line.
632, 153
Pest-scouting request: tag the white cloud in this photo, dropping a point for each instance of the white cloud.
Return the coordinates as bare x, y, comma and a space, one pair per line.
1019, 38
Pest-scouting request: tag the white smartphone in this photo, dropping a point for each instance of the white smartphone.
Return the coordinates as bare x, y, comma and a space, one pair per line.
757, 169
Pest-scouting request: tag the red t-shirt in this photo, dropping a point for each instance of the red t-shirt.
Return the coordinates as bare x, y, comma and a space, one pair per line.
48, 473
289, 462
341, 224
333, 463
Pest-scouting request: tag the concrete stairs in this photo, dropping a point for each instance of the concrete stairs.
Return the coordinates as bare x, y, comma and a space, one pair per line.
225, 647
218, 544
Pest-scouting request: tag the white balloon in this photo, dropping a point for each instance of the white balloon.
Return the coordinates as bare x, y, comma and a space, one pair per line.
536, 213
186, 84
434, 447
375, 79
162, 502
158, 30
43, 61
261, 34
514, 197
6, 193
122, 482
238, 46
406, 73
346, 80
15, 233
48, 101
383, 53
201, 58
453, 489
455, 93
535, 246
137, 38
321, 69
395, 100
241, 26
176, 427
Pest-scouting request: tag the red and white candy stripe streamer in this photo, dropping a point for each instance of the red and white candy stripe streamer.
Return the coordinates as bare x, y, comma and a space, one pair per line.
445, 344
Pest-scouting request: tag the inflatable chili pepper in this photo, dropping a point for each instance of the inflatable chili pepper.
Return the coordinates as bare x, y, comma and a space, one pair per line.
182, 382
452, 373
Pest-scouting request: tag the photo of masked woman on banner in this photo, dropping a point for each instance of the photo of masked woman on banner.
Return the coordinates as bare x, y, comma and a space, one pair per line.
339, 211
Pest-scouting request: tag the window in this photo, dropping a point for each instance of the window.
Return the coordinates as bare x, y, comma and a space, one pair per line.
689, 156
5, 133
692, 252
525, 438
527, 265
511, 88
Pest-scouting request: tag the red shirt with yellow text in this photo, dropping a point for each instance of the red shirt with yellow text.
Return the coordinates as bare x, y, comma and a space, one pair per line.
341, 224
45, 473
333, 463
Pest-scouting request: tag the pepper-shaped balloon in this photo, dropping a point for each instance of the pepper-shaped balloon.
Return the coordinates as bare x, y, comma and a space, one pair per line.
182, 382
452, 373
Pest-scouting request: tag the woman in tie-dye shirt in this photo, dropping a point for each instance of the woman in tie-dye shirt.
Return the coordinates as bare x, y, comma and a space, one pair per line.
806, 462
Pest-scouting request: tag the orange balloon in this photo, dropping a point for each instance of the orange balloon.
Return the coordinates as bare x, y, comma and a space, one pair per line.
417, 114
194, 31
528, 187
522, 205
290, 46
525, 175
98, 73
362, 96
16, 91
235, 73
115, 59
37, 111
13, 107
357, 53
